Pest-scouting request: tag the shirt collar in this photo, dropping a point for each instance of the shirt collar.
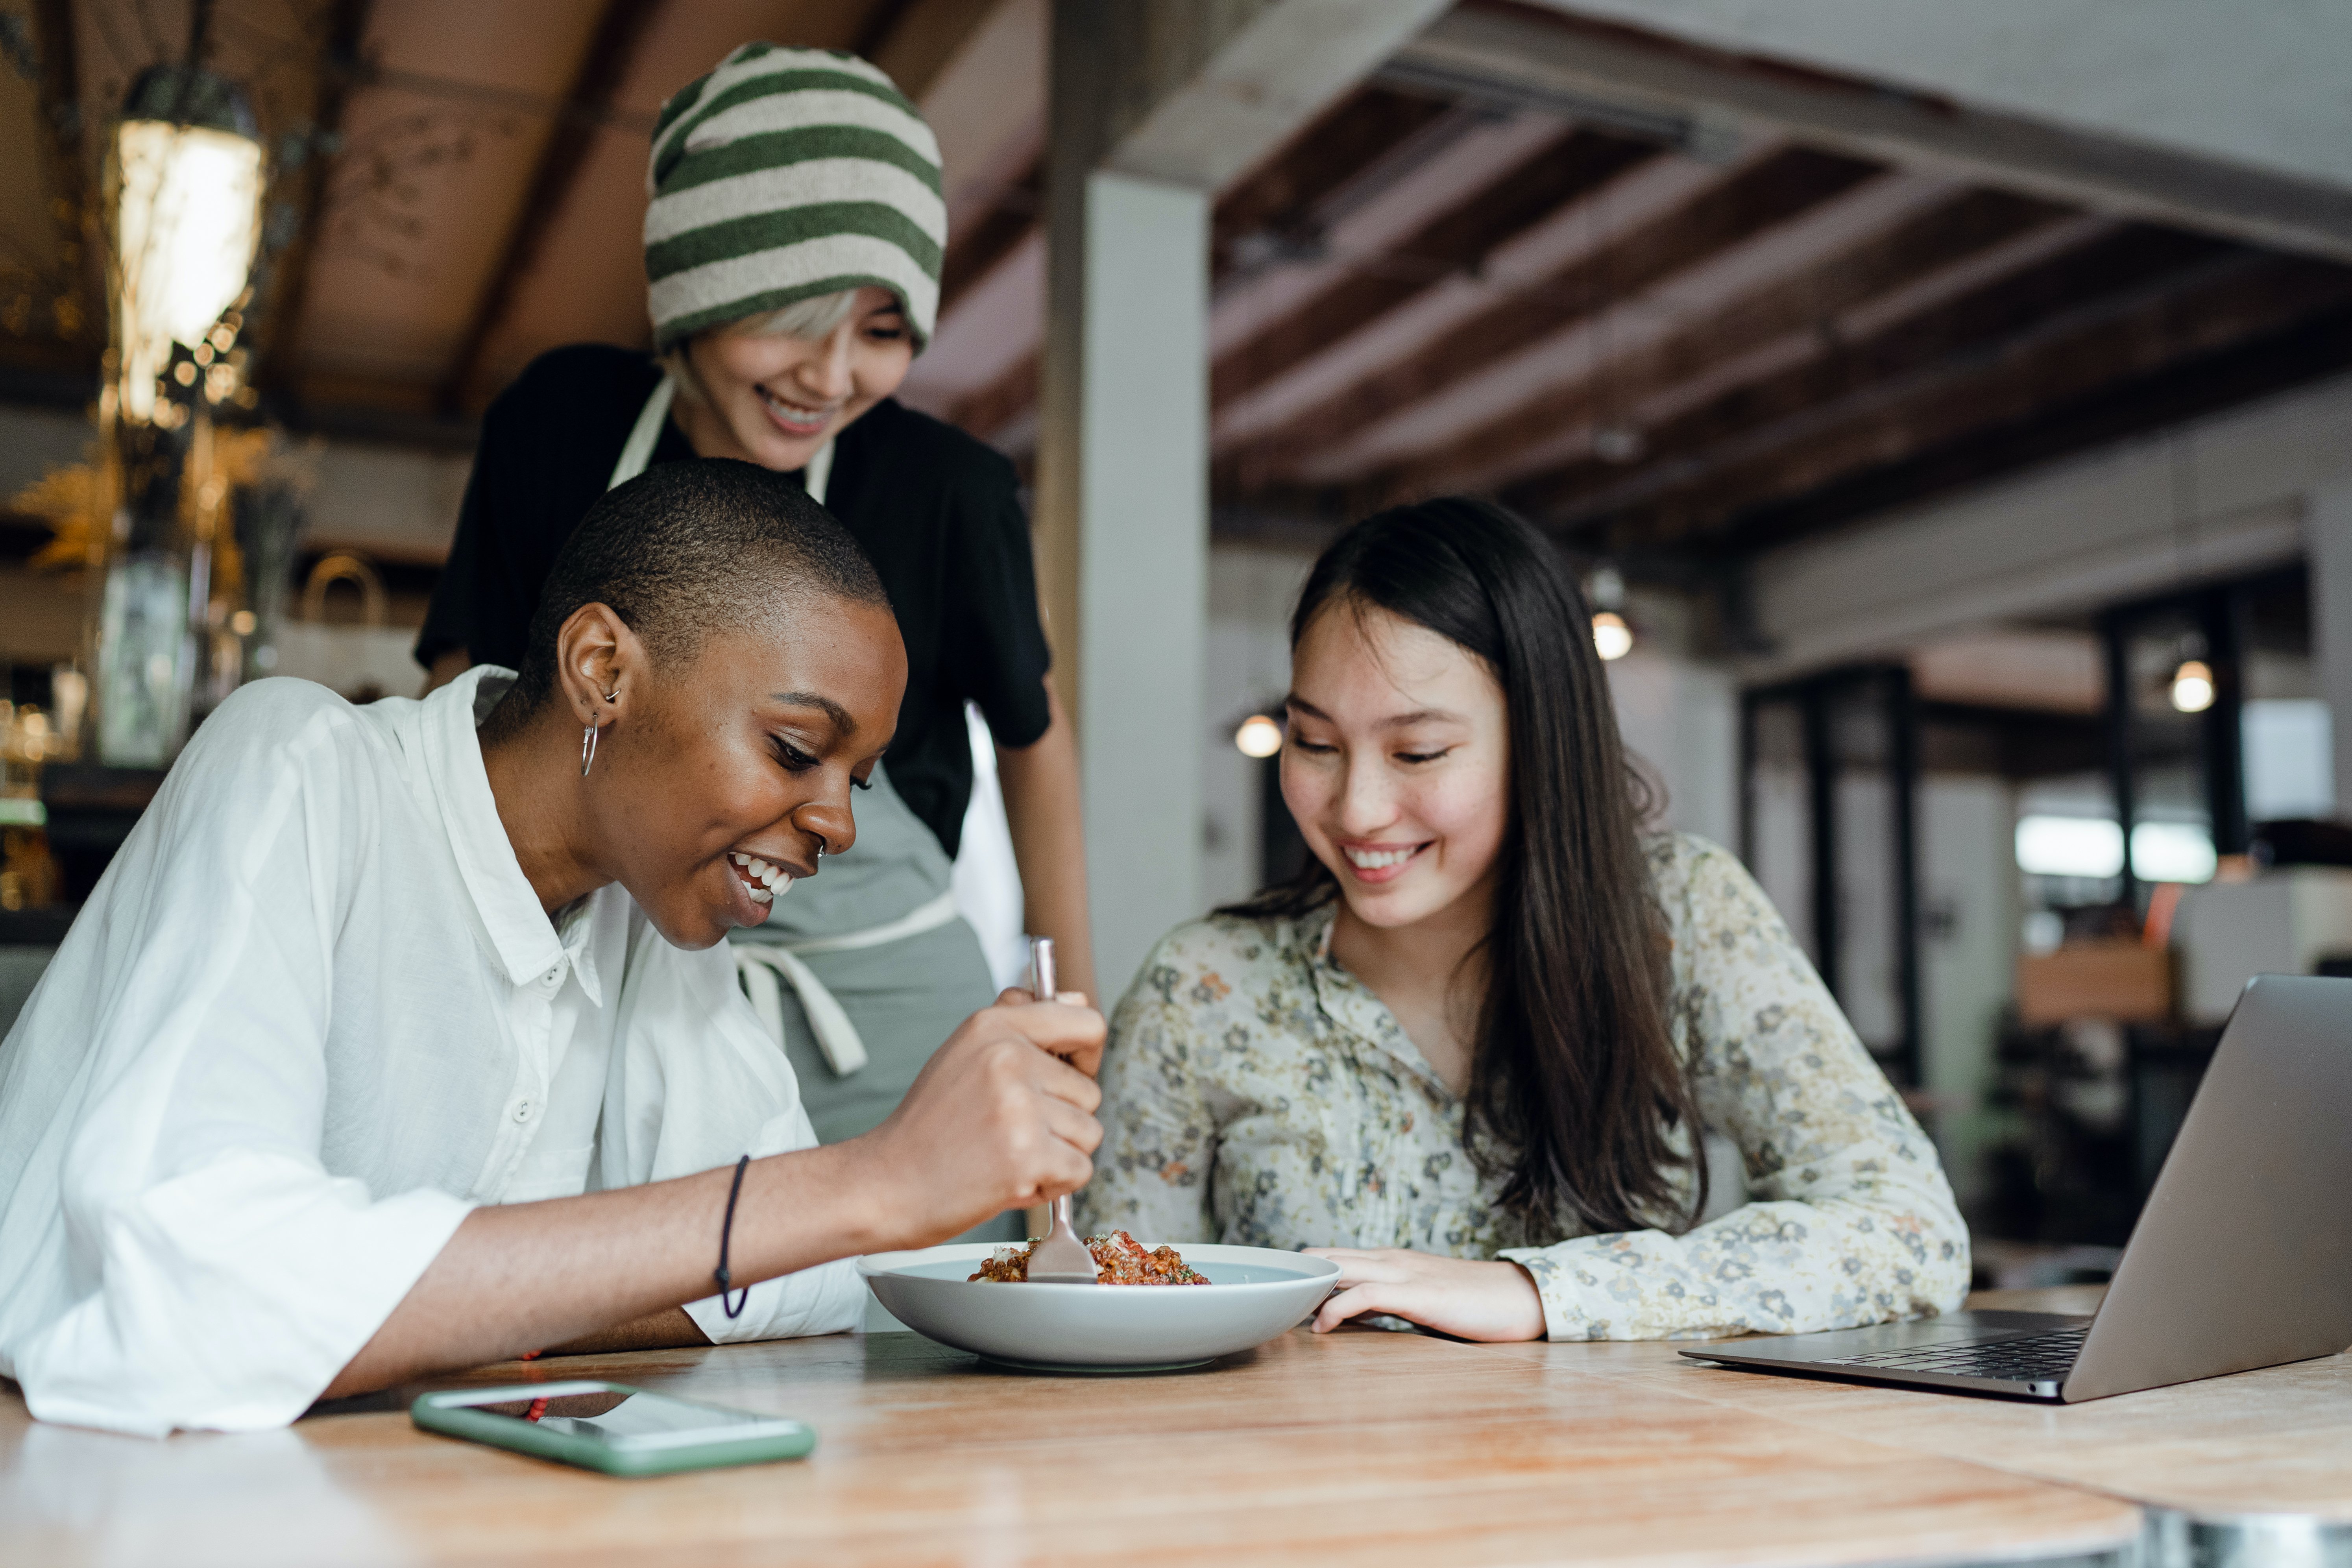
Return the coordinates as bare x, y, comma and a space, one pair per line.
575, 928
528, 945
1350, 1004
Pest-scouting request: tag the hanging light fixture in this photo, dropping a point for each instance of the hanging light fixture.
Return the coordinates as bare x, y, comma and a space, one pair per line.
1259, 736
188, 178
184, 178
1612, 635
2192, 686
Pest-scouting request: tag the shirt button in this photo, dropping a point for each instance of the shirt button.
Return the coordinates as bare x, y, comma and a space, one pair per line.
523, 1109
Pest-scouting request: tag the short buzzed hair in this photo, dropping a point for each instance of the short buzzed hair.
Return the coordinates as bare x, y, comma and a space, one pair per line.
685, 549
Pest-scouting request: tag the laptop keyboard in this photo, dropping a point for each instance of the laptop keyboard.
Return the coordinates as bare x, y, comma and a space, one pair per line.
2038, 1358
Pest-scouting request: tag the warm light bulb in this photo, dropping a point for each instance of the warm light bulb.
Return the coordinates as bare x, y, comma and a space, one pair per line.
1611, 638
2192, 687
188, 220
1259, 736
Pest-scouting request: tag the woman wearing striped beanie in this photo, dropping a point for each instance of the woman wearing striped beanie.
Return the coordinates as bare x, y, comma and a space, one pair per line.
794, 239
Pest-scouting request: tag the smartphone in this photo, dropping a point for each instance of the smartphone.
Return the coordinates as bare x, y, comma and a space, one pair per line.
612, 1427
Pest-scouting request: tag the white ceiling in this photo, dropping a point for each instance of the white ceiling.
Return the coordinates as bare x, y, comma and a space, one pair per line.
2254, 81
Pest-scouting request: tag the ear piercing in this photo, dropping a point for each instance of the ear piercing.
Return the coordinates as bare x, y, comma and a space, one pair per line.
588, 738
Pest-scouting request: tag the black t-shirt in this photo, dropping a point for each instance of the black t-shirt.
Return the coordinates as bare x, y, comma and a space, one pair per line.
937, 512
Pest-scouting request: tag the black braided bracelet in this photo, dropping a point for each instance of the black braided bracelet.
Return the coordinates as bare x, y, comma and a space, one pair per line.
726, 1228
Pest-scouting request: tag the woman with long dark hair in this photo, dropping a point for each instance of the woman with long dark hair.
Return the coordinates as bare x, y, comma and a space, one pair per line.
1470, 1051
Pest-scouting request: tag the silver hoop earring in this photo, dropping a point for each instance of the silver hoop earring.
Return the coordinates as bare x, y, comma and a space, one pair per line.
587, 750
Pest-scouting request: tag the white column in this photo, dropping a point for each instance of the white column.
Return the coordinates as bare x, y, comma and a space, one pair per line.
2328, 530
1143, 555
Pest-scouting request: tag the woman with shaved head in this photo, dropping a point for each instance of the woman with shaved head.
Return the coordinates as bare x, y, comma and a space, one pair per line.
404, 1038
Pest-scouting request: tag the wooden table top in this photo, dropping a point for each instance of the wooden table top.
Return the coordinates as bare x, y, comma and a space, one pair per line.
2274, 1441
1379, 1447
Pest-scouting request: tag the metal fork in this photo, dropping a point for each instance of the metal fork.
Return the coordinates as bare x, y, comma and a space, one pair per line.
1059, 1258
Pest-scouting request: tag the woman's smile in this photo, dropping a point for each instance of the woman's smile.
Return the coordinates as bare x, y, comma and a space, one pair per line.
1377, 863
798, 420
765, 882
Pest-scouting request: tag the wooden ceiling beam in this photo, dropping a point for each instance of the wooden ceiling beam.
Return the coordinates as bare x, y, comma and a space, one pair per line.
1513, 48
1751, 199
973, 254
1968, 225
2308, 348
1680, 448
288, 284
81, 322
1280, 196
2143, 332
989, 409
1557, 174
913, 40
618, 33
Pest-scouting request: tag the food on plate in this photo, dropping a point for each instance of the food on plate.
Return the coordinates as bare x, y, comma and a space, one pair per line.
1122, 1260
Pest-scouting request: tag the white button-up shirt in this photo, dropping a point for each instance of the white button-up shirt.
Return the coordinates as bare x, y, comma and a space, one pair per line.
311, 1015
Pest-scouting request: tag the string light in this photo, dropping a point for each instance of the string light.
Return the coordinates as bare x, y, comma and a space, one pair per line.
1613, 636
2192, 686
1259, 736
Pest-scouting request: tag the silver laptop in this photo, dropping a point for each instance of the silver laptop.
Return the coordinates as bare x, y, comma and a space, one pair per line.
2241, 1259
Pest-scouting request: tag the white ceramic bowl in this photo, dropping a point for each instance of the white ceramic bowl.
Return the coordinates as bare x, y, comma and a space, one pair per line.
1253, 1294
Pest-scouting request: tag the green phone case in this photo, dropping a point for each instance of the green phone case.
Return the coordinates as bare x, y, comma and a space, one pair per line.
448, 1414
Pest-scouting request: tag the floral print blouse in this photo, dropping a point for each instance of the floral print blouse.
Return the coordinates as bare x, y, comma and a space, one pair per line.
1255, 1093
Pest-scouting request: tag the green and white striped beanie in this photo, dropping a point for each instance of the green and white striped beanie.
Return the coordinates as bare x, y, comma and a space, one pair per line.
786, 174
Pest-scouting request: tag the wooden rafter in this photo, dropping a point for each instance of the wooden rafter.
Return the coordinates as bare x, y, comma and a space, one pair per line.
618, 33
1280, 196
290, 283
973, 254
2136, 332
2307, 348
1767, 193
1562, 172
1967, 224
67, 159
992, 407
1679, 449
1513, 46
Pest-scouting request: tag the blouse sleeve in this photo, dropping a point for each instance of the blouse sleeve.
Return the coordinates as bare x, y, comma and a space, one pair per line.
1854, 1222
1151, 1173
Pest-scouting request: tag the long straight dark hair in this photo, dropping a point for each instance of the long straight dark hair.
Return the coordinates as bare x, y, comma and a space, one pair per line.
1575, 1087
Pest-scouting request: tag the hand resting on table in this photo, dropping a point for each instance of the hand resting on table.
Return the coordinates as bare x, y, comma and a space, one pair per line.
1457, 1296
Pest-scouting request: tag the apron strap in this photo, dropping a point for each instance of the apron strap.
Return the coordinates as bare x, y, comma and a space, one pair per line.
759, 964
645, 434
818, 473
924, 917
837, 1036
638, 449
